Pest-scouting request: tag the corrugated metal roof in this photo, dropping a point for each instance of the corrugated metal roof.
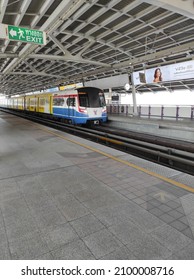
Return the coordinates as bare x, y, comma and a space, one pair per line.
89, 39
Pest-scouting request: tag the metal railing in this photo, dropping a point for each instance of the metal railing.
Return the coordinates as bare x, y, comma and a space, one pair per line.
157, 111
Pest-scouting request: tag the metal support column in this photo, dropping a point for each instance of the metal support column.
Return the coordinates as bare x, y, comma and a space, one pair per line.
134, 96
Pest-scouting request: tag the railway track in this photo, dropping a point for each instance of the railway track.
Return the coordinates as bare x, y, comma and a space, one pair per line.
142, 136
175, 154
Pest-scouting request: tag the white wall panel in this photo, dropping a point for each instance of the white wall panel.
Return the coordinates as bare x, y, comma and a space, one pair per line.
185, 112
156, 111
111, 82
170, 112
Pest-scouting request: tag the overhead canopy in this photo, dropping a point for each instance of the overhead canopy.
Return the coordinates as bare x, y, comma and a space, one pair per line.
88, 40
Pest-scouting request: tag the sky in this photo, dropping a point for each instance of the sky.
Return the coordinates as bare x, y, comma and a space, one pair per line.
178, 97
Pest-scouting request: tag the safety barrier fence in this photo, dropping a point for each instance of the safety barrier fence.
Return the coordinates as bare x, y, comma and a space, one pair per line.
175, 112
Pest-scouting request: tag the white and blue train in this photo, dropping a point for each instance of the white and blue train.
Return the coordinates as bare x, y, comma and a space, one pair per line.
78, 106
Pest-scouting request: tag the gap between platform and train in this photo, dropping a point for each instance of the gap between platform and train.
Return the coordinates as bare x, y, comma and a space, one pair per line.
170, 181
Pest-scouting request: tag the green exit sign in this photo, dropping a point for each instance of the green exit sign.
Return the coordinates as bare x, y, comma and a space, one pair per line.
26, 35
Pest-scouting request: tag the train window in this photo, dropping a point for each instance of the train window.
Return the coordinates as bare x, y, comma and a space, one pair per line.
58, 101
83, 100
20, 101
102, 99
91, 97
42, 102
71, 101
32, 101
94, 99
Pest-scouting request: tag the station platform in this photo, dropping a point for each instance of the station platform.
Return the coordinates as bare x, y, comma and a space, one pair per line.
182, 129
66, 198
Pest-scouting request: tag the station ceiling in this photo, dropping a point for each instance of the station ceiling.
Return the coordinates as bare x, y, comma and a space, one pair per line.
91, 39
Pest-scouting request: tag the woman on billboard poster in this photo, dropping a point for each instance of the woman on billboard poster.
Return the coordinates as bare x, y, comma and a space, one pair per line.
157, 76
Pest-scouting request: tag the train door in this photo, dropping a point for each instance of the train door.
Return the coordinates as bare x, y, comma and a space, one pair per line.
44, 104
47, 104
51, 104
32, 103
41, 103
28, 103
19, 104
15, 104
24, 102
70, 101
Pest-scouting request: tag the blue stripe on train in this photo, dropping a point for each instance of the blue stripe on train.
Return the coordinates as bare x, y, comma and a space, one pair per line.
75, 116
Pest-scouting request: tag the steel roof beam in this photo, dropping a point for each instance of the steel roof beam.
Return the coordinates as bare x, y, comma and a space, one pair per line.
68, 57
19, 18
118, 26
42, 12
64, 10
86, 47
147, 34
76, 15
21, 14
38, 16
157, 55
83, 36
36, 73
94, 16
3, 6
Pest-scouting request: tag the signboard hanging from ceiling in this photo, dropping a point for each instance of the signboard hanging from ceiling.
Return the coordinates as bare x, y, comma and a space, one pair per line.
26, 35
173, 72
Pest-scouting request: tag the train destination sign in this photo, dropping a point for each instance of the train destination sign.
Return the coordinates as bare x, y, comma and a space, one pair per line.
16, 33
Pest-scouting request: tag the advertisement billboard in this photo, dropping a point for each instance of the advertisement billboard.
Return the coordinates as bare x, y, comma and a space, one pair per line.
178, 71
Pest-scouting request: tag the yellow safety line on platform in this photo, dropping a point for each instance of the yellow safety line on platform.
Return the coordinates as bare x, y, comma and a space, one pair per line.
175, 183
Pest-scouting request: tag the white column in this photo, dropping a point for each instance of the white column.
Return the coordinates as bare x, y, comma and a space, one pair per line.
134, 96
109, 95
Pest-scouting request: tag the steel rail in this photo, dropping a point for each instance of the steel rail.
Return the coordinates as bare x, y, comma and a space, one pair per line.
173, 158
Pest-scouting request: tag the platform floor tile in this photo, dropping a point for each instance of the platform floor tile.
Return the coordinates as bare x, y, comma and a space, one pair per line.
59, 200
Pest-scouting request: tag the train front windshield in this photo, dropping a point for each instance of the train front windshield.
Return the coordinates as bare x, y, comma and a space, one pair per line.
91, 97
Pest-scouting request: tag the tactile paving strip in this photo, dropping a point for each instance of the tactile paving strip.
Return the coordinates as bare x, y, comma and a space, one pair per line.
157, 168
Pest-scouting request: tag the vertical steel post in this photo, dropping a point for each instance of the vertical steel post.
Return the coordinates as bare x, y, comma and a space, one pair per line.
134, 96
